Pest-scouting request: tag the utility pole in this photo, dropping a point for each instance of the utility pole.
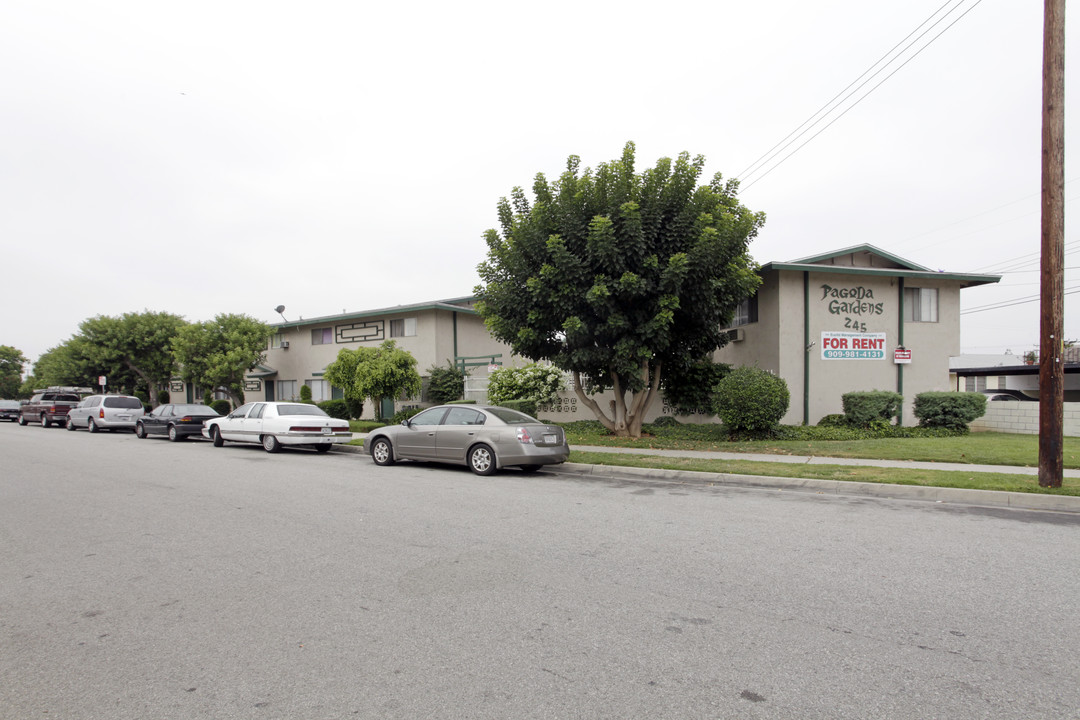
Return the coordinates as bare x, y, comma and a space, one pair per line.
1051, 340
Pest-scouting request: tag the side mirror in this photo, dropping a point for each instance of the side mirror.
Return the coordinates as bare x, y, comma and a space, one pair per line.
407, 422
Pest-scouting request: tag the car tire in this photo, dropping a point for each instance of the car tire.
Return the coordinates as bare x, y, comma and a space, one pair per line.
322, 447
215, 436
382, 452
21, 421
140, 431
70, 425
482, 460
530, 468
174, 436
91, 425
270, 444
45, 421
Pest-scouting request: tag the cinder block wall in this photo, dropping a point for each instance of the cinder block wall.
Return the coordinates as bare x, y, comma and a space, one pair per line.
1023, 418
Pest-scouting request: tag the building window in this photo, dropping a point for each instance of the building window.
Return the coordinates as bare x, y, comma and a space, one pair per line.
973, 383
275, 340
322, 336
320, 390
745, 312
286, 390
403, 327
920, 305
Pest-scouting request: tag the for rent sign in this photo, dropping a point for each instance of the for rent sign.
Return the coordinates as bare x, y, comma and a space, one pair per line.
852, 346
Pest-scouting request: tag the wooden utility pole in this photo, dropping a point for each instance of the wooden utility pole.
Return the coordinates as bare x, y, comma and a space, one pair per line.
1051, 340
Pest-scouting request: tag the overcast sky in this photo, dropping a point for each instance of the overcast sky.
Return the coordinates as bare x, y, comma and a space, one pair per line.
206, 157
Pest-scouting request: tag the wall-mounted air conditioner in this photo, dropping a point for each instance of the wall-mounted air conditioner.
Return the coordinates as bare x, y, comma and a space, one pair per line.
736, 335
284, 344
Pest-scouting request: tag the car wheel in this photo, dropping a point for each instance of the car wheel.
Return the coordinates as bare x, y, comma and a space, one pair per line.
140, 431
69, 425
270, 444
382, 452
530, 468
322, 448
22, 421
45, 421
91, 425
173, 435
215, 435
482, 460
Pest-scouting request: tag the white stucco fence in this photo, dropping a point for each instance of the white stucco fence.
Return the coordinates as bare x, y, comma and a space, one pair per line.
1023, 418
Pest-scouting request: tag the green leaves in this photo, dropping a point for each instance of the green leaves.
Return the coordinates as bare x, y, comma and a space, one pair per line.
385, 371
219, 352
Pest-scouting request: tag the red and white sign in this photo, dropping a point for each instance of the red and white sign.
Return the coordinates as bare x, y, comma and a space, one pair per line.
901, 356
852, 346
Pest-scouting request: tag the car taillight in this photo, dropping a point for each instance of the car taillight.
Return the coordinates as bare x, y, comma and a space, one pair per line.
101, 413
524, 436
303, 428
186, 419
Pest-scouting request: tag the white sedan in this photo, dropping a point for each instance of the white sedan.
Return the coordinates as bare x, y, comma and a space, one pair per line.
274, 424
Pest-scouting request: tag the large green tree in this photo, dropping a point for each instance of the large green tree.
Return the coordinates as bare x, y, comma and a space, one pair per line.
12, 362
218, 353
376, 373
67, 364
135, 348
614, 275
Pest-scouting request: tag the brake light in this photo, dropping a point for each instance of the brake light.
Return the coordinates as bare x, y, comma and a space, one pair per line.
302, 428
523, 436
101, 413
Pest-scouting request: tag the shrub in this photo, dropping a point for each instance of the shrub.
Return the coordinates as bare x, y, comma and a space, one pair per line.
335, 408
402, 415
667, 421
524, 406
952, 410
163, 397
751, 399
461, 402
305, 395
690, 390
221, 406
539, 383
835, 420
445, 384
870, 409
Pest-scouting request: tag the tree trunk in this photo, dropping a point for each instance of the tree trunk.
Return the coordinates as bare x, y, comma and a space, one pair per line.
624, 421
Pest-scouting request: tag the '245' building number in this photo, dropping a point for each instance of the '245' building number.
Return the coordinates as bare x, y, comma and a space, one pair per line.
853, 324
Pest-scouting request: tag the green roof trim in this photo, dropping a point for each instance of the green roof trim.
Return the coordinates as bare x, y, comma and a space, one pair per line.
450, 305
968, 279
864, 248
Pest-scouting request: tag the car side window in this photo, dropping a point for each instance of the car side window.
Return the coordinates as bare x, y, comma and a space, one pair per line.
165, 411
258, 411
428, 417
241, 411
463, 416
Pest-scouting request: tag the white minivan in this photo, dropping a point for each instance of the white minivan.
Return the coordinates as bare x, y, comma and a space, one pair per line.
105, 412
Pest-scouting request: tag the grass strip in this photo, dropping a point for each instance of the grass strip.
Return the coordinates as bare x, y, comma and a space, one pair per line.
897, 476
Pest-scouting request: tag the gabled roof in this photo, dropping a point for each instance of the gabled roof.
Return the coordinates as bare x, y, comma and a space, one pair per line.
866, 259
458, 305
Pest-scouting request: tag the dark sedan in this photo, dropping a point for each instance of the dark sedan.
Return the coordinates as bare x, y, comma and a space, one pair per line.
175, 421
9, 410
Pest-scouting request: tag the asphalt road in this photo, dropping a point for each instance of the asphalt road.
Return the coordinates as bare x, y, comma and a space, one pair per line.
147, 579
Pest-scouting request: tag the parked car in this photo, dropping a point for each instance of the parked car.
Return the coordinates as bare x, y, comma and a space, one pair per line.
9, 410
275, 424
50, 406
105, 412
483, 438
175, 421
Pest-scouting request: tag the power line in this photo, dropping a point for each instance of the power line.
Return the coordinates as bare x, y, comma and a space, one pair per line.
856, 103
1010, 303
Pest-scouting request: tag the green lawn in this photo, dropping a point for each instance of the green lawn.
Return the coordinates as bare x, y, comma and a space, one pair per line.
977, 448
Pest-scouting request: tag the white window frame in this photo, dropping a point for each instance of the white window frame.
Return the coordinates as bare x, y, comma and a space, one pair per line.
921, 304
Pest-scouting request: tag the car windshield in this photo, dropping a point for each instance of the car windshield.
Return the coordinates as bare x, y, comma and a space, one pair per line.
511, 417
300, 410
129, 403
9, 403
194, 410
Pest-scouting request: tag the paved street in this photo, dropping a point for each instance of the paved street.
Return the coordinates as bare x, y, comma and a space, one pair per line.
147, 579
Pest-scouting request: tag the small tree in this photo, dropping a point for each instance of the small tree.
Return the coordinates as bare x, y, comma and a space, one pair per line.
445, 384
376, 373
305, 394
539, 384
751, 399
220, 352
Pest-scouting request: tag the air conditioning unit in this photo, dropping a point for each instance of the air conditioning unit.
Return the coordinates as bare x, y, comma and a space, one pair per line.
736, 335
284, 344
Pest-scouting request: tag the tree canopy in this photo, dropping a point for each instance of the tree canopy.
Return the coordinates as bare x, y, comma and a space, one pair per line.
134, 349
376, 373
11, 367
218, 353
614, 275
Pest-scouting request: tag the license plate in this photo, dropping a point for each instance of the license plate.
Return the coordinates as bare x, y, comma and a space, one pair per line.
124, 417
326, 431
551, 439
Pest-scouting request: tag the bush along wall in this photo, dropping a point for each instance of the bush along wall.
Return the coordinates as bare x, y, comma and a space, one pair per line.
868, 408
523, 406
952, 410
335, 408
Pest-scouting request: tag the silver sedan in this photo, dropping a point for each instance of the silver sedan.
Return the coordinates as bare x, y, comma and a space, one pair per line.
483, 438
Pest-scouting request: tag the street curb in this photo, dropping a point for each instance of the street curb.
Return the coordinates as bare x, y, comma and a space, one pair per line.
959, 496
